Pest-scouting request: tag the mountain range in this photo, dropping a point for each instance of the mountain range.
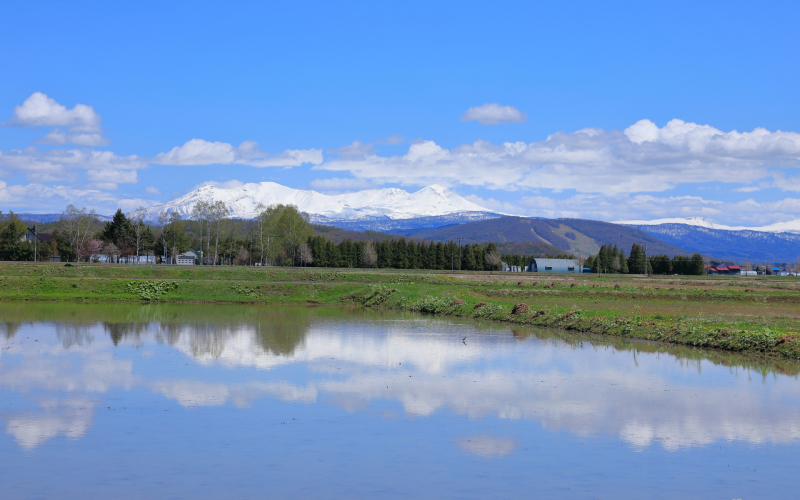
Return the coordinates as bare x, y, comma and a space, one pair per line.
436, 213
358, 210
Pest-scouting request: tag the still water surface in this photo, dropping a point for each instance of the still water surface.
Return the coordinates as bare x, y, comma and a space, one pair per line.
177, 401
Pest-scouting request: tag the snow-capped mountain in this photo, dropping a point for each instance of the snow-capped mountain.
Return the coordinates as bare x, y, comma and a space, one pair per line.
369, 205
792, 226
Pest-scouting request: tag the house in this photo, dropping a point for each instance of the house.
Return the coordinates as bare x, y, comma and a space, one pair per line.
735, 270
31, 233
554, 266
187, 258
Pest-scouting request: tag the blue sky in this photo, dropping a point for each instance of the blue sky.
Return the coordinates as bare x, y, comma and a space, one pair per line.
304, 80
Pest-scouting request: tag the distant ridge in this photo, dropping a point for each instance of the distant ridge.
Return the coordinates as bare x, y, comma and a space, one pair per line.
737, 245
792, 226
45, 218
569, 235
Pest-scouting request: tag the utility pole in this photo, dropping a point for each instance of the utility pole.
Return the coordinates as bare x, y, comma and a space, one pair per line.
646, 267
459, 253
452, 253
35, 237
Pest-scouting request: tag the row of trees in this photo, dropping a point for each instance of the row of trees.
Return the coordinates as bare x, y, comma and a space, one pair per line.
612, 260
278, 235
402, 254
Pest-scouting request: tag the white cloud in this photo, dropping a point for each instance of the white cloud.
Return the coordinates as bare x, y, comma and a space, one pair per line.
55, 137
58, 164
200, 152
152, 190
197, 152
640, 159
40, 110
494, 114
82, 122
58, 137
54, 198
116, 176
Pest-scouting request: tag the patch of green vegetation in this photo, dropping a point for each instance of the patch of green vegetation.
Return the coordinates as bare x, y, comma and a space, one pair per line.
150, 290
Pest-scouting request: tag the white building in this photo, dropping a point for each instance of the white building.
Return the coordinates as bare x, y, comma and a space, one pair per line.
187, 258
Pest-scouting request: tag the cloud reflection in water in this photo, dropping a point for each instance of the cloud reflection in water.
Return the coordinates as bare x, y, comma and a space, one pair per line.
419, 362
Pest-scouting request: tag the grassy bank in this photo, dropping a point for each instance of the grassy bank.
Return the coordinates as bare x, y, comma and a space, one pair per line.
738, 314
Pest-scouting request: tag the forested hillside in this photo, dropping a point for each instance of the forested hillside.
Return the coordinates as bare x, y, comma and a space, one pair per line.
570, 235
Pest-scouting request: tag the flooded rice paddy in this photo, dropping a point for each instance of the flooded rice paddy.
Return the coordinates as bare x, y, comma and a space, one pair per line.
177, 401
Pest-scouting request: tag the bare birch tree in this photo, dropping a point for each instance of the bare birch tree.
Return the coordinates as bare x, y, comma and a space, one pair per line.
369, 257
492, 259
306, 256
219, 212
201, 214
136, 218
77, 225
163, 235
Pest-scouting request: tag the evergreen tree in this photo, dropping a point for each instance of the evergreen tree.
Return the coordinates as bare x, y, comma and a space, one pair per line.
623, 262
468, 258
636, 260
698, 266
119, 231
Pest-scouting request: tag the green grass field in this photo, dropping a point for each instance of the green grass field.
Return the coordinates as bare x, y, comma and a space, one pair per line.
747, 314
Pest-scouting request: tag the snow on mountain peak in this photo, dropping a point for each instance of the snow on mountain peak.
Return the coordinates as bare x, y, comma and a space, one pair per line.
792, 226
392, 203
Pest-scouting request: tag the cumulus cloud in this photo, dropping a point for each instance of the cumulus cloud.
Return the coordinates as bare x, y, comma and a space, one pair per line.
201, 152
82, 122
641, 158
494, 114
152, 190
41, 110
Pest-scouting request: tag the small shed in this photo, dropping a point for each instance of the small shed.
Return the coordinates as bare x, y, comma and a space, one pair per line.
554, 266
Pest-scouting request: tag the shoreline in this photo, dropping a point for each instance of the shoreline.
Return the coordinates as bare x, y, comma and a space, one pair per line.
758, 319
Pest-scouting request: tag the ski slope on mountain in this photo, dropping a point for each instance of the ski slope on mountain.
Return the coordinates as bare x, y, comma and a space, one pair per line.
391, 203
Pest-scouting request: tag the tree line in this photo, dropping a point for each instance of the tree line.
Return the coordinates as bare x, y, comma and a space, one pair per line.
611, 259
403, 253
277, 236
